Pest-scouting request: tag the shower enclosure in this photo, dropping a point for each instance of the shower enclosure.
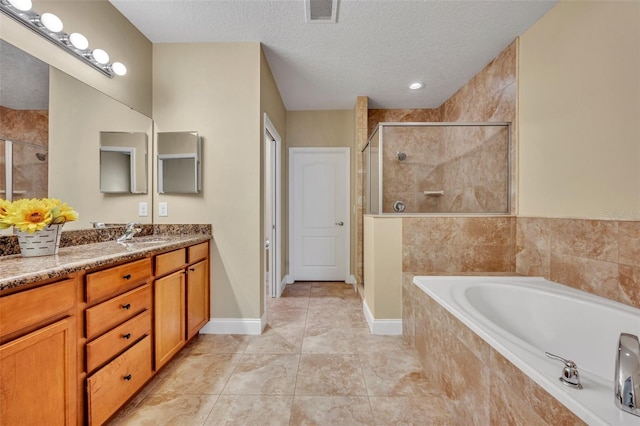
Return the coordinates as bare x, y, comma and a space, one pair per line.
437, 168
23, 170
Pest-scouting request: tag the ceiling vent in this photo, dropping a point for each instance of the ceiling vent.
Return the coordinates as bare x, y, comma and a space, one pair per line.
321, 11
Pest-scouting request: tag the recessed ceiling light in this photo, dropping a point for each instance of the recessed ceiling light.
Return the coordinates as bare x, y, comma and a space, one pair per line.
415, 86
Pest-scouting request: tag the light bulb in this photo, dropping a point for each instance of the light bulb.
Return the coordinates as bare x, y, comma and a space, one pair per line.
415, 86
23, 5
100, 56
119, 68
51, 22
78, 41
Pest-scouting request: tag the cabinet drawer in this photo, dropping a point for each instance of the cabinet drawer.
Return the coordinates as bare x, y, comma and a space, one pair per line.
198, 252
116, 280
169, 262
117, 381
31, 307
113, 342
107, 315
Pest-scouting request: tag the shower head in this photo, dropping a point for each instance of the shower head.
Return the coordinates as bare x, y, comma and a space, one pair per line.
41, 156
401, 155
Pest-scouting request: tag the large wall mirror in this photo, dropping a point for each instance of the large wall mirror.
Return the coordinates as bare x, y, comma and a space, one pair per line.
64, 142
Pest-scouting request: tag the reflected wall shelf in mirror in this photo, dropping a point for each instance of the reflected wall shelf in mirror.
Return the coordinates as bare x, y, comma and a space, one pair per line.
179, 167
123, 162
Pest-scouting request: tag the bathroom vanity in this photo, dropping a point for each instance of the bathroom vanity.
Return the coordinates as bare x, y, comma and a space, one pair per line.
82, 332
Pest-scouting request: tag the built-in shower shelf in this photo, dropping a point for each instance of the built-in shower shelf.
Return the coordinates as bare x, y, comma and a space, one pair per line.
433, 193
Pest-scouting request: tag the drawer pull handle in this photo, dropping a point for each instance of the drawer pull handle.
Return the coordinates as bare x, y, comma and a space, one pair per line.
126, 336
126, 306
127, 277
192, 269
127, 377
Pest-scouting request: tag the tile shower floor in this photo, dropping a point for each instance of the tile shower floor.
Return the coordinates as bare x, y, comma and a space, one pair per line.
315, 364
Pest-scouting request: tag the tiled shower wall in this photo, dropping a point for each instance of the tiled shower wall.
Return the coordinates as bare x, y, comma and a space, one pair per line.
29, 172
467, 164
488, 96
471, 167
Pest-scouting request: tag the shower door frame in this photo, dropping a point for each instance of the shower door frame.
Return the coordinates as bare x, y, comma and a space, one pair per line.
380, 128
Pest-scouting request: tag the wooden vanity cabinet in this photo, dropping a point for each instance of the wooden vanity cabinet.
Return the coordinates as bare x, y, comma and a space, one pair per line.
38, 370
197, 288
118, 350
181, 299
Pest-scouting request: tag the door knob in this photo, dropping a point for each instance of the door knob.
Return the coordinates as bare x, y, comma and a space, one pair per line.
340, 223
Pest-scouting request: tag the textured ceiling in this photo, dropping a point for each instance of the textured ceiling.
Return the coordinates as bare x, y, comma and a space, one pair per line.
375, 49
24, 80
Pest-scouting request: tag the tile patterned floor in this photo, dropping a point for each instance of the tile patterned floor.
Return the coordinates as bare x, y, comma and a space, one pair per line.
315, 364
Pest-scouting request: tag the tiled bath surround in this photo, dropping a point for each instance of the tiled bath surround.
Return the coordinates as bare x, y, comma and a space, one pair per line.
597, 256
479, 385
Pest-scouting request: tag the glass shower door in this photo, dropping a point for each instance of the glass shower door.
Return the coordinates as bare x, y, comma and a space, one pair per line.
23, 170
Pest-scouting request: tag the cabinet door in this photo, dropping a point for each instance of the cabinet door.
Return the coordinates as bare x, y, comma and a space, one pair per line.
38, 377
197, 297
169, 316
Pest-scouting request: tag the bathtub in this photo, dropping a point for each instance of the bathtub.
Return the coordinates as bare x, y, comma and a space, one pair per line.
524, 317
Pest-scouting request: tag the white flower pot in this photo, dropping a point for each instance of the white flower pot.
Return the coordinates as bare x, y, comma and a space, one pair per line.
40, 243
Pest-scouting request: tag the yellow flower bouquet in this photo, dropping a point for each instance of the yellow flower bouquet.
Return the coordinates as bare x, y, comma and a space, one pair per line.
38, 221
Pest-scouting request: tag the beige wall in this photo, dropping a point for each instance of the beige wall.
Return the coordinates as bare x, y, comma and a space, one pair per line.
324, 128
383, 266
271, 104
214, 88
78, 113
105, 28
579, 103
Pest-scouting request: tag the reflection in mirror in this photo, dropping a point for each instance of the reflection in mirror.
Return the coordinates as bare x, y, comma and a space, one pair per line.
79, 115
123, 162
56, 140
24, 123
179, 168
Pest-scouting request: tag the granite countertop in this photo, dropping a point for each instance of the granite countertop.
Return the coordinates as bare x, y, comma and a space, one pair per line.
16, 271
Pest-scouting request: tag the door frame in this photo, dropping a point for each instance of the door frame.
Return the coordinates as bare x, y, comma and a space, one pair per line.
275, 235
292, 249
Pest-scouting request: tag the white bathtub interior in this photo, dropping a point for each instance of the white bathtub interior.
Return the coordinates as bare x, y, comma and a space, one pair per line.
524, 317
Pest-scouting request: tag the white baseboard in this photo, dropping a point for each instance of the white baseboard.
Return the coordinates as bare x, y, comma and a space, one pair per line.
284, 283
391, 327
352, 280
289, 279
235, 325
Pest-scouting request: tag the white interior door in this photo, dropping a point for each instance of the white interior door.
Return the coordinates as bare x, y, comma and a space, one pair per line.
272, 216
319, 213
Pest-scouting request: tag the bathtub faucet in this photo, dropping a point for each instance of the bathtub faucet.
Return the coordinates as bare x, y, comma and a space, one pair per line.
570, 376
627, 374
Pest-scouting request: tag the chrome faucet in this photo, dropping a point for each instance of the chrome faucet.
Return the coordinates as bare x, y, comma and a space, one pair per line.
129, 232
570, 376
627, 374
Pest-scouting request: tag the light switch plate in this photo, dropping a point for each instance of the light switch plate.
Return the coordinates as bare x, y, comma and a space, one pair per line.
142, 209
163, 209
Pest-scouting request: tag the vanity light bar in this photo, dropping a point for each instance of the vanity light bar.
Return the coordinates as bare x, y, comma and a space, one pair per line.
50, 27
